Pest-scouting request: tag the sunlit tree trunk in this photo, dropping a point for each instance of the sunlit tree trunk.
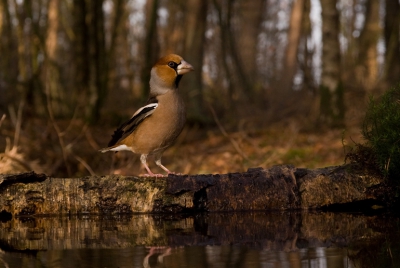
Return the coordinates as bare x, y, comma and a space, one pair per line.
150, 45
367, 66
283, 94
331, 90
56, 98
391, 34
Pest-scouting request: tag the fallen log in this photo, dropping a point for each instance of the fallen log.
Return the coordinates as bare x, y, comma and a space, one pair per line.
282, 187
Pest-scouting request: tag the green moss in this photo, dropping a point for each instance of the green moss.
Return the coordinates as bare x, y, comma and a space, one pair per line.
381, 129
295, 154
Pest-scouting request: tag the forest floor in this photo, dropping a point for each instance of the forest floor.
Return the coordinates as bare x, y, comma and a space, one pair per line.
71, 148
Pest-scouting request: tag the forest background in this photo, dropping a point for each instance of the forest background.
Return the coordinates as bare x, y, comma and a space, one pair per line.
275, 82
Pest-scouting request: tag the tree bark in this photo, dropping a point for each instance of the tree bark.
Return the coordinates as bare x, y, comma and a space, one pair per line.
9, 52
250, 17
331, 89
81, 71
284, 92
367, 65
392, 42
99, 63
238, 83
150, 45
276, 188
57, 99
196, 15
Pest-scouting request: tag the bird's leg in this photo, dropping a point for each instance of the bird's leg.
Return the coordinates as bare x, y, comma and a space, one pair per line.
158, 163
143, 158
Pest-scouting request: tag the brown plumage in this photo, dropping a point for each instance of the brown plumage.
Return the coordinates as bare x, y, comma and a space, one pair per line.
154, 127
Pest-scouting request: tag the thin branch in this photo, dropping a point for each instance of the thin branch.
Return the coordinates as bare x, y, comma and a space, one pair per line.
2, 119
15, 159
18, 124
86, 165
223, 131
57, 129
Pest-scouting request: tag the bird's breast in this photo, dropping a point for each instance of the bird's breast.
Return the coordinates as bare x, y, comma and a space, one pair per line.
160, 130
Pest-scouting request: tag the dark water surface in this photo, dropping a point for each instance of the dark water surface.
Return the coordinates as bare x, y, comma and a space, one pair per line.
248, 239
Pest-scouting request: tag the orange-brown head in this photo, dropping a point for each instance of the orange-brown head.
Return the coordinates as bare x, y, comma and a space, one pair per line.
167, 72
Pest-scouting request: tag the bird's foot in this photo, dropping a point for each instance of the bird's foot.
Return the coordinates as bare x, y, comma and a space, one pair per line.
173, 174
153, 175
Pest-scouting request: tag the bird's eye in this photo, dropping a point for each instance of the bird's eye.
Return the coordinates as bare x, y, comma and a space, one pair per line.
172, 64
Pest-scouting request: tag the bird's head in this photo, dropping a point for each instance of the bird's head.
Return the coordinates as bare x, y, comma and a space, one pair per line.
167, 72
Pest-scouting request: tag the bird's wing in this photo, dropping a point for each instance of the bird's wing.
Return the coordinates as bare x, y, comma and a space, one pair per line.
129, 126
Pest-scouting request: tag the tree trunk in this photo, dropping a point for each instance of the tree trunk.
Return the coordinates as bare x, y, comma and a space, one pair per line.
283, 94
196, 14
239, 86
9, 54
81, 42
367, 66
250, 17
57, 100
331, 89
99, 64
150, 45
392, 42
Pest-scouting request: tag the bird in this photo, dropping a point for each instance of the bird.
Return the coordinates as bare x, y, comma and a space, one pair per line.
154, 127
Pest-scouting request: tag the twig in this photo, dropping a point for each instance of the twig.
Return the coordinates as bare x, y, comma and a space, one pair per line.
18, 124
91, 141
2, 119
221, 128
15, 159
86, 165
57, 129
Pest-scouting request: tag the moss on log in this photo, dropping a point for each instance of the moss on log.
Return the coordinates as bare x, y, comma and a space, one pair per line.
277, 188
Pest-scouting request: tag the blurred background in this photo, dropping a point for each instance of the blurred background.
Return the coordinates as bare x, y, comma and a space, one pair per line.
276, 82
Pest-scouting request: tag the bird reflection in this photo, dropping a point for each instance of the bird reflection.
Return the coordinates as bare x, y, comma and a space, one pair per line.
160, 251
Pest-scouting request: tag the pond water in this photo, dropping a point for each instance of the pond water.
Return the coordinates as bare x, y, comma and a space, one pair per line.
247, 239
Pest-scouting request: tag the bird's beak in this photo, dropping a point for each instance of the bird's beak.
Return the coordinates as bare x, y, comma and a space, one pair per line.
184, 67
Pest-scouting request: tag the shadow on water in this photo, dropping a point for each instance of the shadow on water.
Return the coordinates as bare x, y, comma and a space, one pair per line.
248, 239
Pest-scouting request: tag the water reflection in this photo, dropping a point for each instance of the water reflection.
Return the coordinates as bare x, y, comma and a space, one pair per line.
252, 239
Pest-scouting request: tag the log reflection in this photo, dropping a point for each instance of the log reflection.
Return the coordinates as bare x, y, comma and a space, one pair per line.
287, 231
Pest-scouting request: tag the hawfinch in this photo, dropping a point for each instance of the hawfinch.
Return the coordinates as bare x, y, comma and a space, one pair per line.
154, 127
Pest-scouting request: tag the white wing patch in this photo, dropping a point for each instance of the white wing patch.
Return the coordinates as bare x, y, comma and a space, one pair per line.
151, 105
